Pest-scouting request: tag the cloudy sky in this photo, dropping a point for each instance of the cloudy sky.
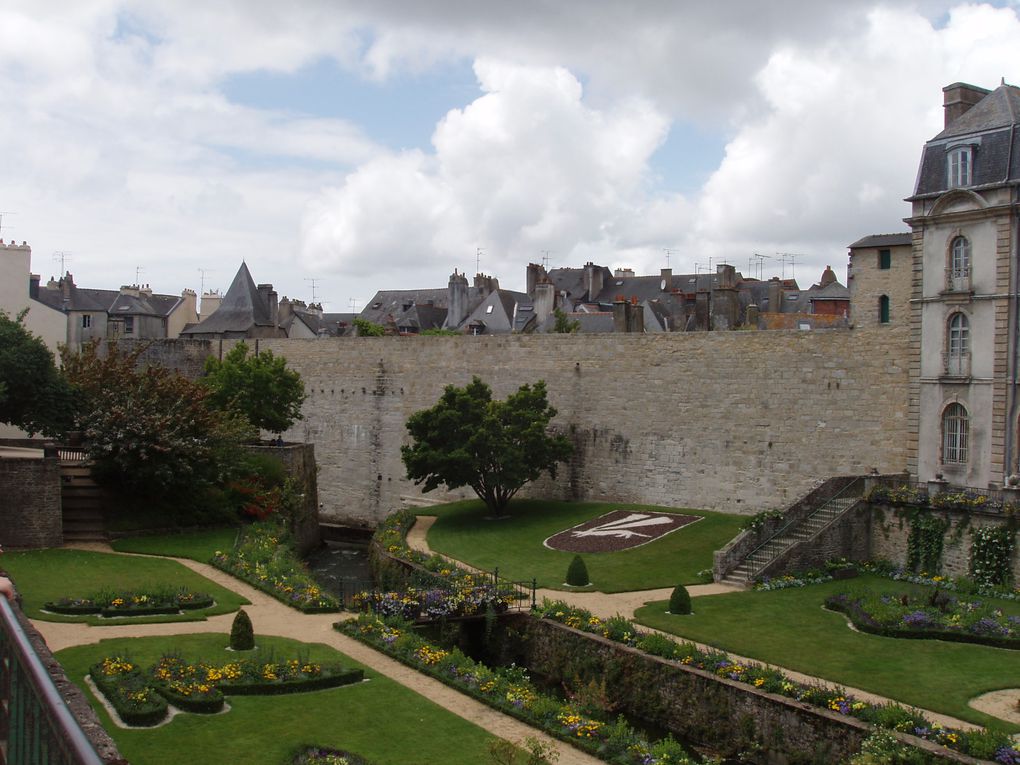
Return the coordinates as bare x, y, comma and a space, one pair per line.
356, 146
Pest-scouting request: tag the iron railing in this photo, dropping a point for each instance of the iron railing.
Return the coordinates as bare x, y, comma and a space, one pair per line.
779, 541
36, 727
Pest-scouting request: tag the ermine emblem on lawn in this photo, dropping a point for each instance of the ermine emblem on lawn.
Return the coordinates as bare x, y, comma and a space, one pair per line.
618, 530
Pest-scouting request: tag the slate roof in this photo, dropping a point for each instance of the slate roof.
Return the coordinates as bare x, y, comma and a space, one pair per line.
241, 308
421, 317
591, 323
392, 303
511, 312
994, 125
108, 301
883, 240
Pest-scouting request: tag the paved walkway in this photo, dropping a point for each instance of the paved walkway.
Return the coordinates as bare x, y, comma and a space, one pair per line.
605, 605
271, 617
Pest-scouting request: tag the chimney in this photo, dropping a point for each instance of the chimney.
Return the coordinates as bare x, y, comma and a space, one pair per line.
456, 301
592, 281
667, 279
210, 302
724, 298
66, 283
269, 301
958, 98
33, 286
544, 300
775, 295
536, 275
619, 315
486, 285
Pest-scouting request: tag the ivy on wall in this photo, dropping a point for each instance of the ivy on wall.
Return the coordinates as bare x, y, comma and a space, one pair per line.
991, 553
925, 541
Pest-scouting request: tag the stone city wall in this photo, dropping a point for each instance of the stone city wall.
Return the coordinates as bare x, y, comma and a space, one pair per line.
737, 421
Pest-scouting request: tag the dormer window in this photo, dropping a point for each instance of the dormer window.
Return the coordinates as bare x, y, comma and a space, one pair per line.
959, 164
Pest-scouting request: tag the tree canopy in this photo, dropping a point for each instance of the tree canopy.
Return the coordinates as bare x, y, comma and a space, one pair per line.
259, 388
34, 396
495, 447
149, 430
564, 324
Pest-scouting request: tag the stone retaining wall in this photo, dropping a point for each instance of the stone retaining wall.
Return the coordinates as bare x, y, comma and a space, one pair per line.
698, 705
30, 487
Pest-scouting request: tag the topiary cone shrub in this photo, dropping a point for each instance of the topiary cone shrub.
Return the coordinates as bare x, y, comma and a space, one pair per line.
577, 573
680, 600
242, 636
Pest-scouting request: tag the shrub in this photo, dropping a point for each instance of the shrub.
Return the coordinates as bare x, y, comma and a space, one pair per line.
242, 635
577, 573
680, 600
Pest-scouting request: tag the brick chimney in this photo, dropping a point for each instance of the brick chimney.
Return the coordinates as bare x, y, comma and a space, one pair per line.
958, 98
667, 279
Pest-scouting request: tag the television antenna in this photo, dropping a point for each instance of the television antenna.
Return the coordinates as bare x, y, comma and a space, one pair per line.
478, 259
669, 251
203, 272
791, 258
545, 259
759, 265
63, 257
138, 275
352, 303
2, 214
314, 281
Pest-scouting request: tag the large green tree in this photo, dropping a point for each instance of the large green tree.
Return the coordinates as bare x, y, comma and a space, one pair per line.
148, 430
34, 396
495, 447
260, 388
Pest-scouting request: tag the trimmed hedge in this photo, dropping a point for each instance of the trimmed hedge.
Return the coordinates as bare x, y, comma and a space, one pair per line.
680, 601
345, 677
130, 694
205, 705
577, 573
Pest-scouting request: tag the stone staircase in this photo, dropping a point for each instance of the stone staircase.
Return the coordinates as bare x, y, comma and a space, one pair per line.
82, 502
791, 534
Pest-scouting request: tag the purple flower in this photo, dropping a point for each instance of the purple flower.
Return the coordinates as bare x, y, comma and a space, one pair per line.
917, 619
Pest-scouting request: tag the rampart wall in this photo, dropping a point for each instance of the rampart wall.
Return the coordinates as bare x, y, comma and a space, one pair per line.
739, 421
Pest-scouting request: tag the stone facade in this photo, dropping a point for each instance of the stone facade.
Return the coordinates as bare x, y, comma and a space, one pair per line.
30, 486
735, 421
299, 462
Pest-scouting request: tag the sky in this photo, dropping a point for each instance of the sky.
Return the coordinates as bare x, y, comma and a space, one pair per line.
339, 148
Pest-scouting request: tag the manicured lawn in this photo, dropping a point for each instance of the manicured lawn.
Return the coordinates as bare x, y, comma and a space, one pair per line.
379, 719
196, 545
791, 629
514, 545
48, 575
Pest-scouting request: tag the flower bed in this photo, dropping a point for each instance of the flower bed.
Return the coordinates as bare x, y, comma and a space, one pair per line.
414, 604
511, 691
131, 603
200, 688
890, 716
265, 559
318, 755
935, 615
128, 691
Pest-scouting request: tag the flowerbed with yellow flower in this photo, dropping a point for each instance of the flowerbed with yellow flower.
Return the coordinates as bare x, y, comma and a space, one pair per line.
143, 603
889, 716
510, 690
464, 599
199, 687
264, 557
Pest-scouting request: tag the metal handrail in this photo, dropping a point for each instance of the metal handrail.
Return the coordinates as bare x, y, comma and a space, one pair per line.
769, 544
64, 731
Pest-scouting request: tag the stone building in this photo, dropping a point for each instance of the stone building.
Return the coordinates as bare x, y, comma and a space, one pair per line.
17, 284
879, 279
965, 312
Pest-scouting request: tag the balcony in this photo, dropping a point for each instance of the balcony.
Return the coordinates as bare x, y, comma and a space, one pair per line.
955, 364
958, 280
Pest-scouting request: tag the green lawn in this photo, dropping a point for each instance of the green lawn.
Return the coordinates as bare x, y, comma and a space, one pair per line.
791, 629
48, 575
379, 719
514, 545
196, 545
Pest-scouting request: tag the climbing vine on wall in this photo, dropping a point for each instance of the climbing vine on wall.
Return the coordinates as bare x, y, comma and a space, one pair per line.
925, 541
991, 554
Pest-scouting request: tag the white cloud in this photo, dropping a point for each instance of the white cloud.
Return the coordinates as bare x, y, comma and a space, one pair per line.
527, 166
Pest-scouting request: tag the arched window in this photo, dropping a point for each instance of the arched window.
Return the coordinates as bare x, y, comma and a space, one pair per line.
957, 354
883, 309
959, 258
955, 432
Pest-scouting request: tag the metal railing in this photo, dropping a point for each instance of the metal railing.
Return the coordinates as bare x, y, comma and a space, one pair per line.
768, 550
72, 454
36, 727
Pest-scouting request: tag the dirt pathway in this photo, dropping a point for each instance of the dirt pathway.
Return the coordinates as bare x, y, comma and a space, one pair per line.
271, 617
605, 605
